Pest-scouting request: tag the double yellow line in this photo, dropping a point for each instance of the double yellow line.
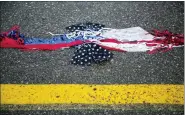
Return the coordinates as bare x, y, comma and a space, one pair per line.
92, 94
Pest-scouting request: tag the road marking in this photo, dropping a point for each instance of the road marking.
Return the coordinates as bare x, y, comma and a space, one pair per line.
91, 94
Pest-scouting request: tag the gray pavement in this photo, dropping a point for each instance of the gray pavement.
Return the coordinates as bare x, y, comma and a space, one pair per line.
54, 67
92, 112
38, 18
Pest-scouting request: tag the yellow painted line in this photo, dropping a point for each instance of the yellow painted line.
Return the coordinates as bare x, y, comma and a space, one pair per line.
91, 94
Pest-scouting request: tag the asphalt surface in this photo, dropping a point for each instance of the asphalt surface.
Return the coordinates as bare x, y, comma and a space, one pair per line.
54, 67
91, 112
38, 18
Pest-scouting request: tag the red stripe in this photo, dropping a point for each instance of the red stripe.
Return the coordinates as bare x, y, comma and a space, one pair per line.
10, 43
111, 48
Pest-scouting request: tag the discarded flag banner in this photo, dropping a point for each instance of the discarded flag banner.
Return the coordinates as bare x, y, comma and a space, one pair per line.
96, 40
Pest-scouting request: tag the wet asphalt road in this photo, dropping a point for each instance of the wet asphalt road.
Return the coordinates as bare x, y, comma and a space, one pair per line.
38, 18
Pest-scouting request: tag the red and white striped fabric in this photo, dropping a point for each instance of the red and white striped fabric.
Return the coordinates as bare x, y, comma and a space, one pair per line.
136, 39
133, 39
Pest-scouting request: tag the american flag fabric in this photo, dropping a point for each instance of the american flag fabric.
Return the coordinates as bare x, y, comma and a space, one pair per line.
89, 53
85, 26
94, 42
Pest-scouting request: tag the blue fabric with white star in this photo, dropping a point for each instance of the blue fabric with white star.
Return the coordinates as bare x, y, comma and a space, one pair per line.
85, 26
89, 53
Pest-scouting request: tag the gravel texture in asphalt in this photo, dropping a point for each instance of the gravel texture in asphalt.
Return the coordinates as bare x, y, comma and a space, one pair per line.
38, 18
91, 112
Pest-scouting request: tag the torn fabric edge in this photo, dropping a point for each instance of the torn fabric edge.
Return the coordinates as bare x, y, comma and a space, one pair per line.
133, 39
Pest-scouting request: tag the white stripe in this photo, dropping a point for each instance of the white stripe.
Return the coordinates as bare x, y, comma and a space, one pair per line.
128, 34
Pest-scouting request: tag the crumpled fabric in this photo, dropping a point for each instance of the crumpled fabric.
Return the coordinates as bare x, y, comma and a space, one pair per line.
14, 33
82, 31
14, 39
133, 39
53, 40
136, 39
89, 53
65, 38
85, 26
